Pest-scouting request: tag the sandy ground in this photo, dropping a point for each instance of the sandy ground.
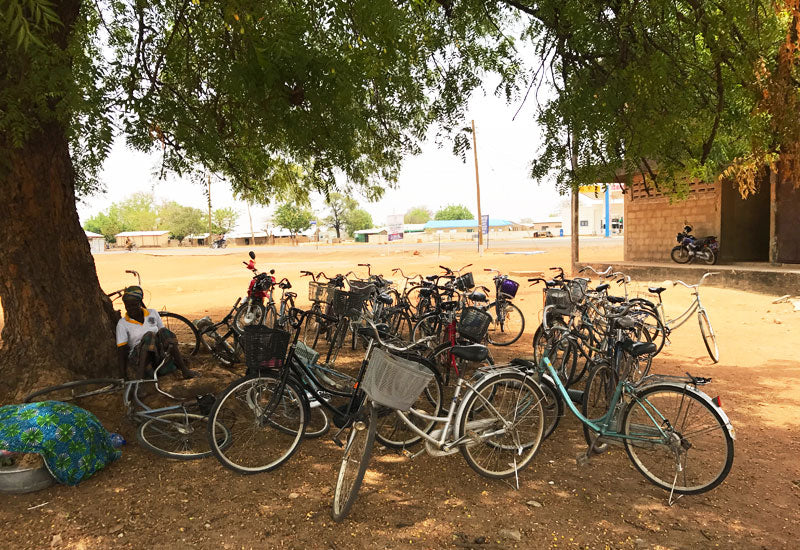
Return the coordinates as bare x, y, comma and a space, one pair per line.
144, 501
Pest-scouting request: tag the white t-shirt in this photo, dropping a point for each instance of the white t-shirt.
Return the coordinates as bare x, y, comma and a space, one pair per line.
130, 331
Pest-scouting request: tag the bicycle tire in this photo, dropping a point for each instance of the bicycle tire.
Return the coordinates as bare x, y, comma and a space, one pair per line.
76, 390
600, 387
244, 316
179, 435
427, 325
392, 432
564, 358
184, 330
637, 422
357, 453
253, 436
652, 323
515, 451
707, 332
553, 406
497, 334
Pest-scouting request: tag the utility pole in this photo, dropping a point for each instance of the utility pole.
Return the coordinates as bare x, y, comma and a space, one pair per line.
209, 211
249, 215
477, 186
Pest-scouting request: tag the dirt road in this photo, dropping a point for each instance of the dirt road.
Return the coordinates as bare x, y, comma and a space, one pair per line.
144, 501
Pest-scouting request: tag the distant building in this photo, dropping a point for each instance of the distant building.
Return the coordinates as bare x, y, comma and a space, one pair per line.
143, 238
592, 212
470, 226
197, 240
97, 243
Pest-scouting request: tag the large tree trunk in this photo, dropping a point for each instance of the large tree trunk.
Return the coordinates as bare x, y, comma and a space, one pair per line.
56, 317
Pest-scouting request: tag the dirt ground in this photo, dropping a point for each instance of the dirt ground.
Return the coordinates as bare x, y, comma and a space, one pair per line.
144, 501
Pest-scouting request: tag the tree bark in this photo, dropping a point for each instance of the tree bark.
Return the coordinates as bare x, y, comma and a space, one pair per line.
56, 318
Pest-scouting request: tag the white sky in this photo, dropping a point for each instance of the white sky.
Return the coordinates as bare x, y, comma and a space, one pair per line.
434, 178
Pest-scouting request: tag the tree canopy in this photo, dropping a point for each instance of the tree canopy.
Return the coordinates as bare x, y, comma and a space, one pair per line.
180, 220
223, 220
356, 220
454, 212
293, 216
339, 206
417, 214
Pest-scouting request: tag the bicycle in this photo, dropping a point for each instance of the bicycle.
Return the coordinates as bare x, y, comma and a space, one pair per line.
497, 423
176, 431
268, 410
651, 418
279, 316
706, 330
185, 331
508, 322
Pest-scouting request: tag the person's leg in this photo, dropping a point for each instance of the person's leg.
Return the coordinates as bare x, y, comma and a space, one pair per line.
144, 353
167, 341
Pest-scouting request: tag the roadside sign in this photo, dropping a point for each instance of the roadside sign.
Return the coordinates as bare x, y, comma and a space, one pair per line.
485, 224
394, 224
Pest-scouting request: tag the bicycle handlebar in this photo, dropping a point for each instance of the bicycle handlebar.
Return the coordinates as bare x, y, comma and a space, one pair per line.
700, 282
398, 349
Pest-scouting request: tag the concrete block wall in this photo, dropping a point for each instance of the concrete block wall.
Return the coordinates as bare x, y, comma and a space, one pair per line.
651, 223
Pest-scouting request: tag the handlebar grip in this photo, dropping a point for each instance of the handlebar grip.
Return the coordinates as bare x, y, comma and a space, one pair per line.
364, 265
487, 269
443, 267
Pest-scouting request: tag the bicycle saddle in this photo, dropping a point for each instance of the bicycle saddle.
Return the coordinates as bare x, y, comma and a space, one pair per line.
385, 298
368, 332
450, 306
472, 352
603, 287
639, 348
656, 289
626, 322
615, 299
477, 296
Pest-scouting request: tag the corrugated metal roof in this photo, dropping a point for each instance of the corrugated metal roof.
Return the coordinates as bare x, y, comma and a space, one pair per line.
141, 233
246, 235
93, 235
371, 231
453, 224
200, 236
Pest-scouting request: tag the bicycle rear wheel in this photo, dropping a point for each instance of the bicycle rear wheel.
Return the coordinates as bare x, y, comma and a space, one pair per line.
265, 426
563, 354
600, 387
357, 453
552, 405
184, 330
507, 325
502, 425
75, 391
695, 452
709, 338
180, 435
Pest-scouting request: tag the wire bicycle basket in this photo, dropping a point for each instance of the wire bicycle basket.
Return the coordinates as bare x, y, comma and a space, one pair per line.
264, 348
393, 381
508, 288
560, 301
349, 303
464, 282
473, 324
320, 292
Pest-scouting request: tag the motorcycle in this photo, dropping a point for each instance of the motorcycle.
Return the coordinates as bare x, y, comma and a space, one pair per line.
691, 248
220, 243
251, 311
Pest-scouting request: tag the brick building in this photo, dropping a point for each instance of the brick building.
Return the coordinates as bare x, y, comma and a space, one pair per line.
746, 228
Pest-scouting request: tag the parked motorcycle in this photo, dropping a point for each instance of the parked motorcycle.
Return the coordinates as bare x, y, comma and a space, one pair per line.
691, 248
252, 311
220, 243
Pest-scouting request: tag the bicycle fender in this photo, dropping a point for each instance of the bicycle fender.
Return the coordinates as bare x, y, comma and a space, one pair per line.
704, 397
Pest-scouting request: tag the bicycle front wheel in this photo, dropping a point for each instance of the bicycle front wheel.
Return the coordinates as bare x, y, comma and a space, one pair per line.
687, 448
248, 314
429, 325
709, 338
76, 391
180, 435
265, 426
184, 330
508, 323
600, 387
357, 453
502, 425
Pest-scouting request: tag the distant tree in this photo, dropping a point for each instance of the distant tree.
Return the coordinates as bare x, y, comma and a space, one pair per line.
223, 220
293, 216
357, 220
454, 212
417, 214
107, 224
340, 206
180, 220
138, 212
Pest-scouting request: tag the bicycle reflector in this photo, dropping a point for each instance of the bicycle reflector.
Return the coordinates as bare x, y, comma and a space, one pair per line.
717, 401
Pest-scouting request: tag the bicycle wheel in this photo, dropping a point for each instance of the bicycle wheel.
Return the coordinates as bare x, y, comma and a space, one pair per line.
393, 432
562, 355
553, 406
502, 425
399, 324
184, 330
75, 391
428, 325
318, 421
357, 453
695, 452
649, 320
600, 387
265, 428
247, 314
446, 363
180, 435
227, 353
312, 326
507, 325
709, 338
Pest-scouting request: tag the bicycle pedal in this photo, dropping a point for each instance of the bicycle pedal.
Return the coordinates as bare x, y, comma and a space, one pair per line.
338, 442
473, 435
406, 453
582, 459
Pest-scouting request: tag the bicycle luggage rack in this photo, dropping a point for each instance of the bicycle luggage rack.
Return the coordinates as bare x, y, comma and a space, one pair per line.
264, 348
474, 324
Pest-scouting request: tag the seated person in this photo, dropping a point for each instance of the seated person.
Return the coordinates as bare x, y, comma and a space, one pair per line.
142, 339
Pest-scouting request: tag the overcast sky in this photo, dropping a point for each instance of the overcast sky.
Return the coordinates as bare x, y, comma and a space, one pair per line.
434, 178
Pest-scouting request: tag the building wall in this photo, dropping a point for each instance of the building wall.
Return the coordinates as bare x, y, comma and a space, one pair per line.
652, 222
146, 240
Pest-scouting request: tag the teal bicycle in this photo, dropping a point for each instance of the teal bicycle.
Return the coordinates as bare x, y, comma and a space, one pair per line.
675, 435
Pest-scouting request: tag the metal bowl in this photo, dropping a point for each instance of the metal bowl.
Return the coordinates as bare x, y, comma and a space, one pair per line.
24, 480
